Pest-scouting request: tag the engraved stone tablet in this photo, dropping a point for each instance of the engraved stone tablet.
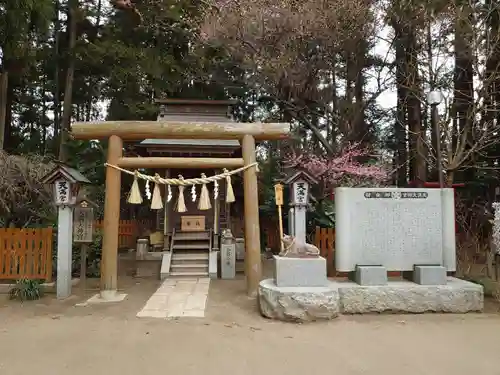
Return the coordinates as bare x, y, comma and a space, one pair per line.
395, 228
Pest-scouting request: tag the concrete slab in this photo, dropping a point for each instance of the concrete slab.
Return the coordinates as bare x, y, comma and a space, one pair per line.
177, 298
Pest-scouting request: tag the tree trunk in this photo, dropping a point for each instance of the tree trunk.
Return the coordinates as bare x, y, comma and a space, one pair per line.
463, 81
433, 171
4, 83
44, 124
418, 166
400, 131
57, 89
362, 132
68, 89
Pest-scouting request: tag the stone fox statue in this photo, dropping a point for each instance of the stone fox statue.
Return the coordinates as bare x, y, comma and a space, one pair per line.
296, 249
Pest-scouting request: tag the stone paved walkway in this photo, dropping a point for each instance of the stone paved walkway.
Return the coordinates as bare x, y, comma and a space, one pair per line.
178, 298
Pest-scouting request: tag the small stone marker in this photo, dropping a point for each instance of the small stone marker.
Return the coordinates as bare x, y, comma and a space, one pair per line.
228, 255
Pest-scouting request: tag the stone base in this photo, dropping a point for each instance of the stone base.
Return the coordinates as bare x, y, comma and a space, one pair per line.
369, 275
300, 272
165, 265
457, 296
212, 264
298, 304
427, 275
107, 296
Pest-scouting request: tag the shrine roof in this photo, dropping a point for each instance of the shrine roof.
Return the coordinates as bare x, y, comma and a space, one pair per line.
63, 171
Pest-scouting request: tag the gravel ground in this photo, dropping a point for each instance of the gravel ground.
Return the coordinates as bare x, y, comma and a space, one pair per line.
50, 337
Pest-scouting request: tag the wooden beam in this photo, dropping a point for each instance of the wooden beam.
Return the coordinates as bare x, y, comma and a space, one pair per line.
168, 162
253, 267
109, 262
135, 130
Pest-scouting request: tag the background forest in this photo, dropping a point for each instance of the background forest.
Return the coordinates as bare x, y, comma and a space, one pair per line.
351, 76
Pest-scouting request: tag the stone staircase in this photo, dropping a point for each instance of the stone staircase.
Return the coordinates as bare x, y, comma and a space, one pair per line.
190, 254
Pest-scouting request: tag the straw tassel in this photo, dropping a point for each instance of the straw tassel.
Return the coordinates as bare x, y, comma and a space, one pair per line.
156, 202
134, 196
229, 188
181, 205
204, 202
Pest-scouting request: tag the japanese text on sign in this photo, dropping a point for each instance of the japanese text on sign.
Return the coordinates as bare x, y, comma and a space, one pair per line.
62, 192
396, 194
300, 192
83, 224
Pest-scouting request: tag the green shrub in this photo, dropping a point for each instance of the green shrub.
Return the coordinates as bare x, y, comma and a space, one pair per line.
26, 290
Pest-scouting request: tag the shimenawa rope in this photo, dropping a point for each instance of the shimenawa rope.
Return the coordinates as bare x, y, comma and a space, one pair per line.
181, 182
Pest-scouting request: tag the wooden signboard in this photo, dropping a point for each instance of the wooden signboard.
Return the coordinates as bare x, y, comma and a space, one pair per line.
278, 192
83, 220
62, 192
192, 223
300, 193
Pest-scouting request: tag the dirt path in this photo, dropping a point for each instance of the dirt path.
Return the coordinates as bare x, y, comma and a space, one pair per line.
51, 338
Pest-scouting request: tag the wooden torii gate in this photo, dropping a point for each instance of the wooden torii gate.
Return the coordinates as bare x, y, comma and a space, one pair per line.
117, 131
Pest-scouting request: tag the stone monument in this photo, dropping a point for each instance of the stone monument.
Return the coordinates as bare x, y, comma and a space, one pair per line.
300, 290
408, 230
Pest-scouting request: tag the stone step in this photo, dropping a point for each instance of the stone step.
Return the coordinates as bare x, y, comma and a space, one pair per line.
188, 268
191, 246
190, 260
188, 274
195, 255
196, 236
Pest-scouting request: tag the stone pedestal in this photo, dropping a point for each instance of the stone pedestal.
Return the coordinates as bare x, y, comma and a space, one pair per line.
457, 296
370, 275
299, 292
427, 275
298, 304
300, 272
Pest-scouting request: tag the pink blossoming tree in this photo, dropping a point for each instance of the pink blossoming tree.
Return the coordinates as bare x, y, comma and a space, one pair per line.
344, 169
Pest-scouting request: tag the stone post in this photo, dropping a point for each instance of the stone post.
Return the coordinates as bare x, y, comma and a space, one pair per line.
228, 255
64, 251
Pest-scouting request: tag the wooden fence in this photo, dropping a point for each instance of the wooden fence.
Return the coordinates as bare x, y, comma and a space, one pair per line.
324, 240
128, 230
26, 253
